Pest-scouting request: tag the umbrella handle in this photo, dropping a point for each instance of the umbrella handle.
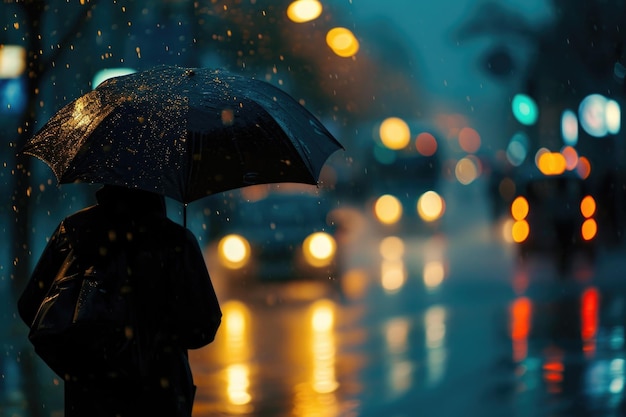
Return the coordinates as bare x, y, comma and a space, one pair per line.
185, 215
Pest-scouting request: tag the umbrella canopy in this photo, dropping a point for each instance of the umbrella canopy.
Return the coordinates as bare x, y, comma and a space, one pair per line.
185, 133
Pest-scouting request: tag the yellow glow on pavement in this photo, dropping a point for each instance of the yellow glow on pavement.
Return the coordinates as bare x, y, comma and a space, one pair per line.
434, 274
393, 275
323, 347
391, 248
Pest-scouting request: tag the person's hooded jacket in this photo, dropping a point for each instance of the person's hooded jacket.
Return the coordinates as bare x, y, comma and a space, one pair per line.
177, 298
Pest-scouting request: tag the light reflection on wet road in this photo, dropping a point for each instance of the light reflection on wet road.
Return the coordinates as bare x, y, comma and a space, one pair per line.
451, 327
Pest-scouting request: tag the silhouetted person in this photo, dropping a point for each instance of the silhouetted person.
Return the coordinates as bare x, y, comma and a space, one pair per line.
178, 306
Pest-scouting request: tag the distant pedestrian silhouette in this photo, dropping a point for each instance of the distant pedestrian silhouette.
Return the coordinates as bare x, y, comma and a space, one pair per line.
177, 306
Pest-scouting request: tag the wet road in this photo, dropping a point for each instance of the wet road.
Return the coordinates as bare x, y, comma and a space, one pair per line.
439, 324
424, 325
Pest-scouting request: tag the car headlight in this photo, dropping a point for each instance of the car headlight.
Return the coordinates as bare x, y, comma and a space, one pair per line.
233, 251
430, 206
388, 209
319, 249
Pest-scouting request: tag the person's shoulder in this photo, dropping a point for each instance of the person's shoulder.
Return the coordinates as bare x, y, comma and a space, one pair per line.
170, 228
82, 216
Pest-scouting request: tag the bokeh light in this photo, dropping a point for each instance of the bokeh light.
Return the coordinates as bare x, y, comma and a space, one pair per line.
319, 249
569, 128
342, 42
388, 209
234, 251
588, 206
525, 109
551, 163
506, 228
392, 248
12, 61
520, 208
520, 231
323, 316
613, 115
434, 273
589, 319
394, 133
393, 275
571, 157
13, 95
238, 377
430, 206
517, 149
589, 229
538, 154
301, 11
384, 155
592, 115
520, 325
426, 144
583, 168
466, 171
469, 140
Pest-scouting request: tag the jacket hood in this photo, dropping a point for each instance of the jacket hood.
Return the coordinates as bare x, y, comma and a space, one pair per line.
121, 217
119, 200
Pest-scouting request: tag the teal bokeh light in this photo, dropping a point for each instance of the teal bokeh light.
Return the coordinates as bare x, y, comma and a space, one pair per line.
569, 127
525, 109
13, 95
384, 155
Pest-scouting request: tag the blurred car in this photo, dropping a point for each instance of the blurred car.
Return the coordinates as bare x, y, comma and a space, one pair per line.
553, 214
401, 184
281, 233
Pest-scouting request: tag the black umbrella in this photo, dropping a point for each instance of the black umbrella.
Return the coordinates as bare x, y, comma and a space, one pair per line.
185, 133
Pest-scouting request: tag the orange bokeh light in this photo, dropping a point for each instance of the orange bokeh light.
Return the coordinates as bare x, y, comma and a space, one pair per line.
520, 208
426, 144
521, 313
342, 41
551, 163
469, 140
588, 206
521, 317
571, 157
589, 229
589, 306
583, 167
520, 231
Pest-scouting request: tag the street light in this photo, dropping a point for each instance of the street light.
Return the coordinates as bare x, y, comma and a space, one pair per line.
12, 61
342, 41
301, 11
